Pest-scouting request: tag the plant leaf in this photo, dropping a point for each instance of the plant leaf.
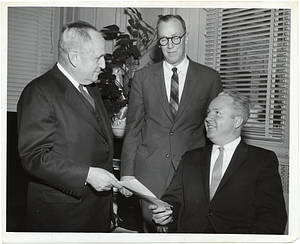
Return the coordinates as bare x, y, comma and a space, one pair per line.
136, 52
133, 24
123, 36
125, 41
120, 54
110, 32
111, 28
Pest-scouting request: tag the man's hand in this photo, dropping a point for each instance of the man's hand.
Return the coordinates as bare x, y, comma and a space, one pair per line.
123, 190
161, 215
102, 180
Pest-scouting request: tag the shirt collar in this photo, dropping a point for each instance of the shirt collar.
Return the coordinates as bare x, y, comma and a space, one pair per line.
74, 82
231, 146
181, 68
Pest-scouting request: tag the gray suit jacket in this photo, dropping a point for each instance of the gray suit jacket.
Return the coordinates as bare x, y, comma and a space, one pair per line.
154, 142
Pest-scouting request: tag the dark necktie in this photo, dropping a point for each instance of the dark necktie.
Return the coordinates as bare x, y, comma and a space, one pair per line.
174, 96
87, 96
216, 173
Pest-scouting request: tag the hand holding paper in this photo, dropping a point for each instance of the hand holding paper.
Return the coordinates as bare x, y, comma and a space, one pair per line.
144, 193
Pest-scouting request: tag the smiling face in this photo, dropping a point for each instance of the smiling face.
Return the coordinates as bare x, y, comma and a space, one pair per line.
91, 59
173, 54
222, 125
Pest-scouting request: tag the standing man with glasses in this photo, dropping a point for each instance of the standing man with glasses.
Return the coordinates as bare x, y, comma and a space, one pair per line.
167, 108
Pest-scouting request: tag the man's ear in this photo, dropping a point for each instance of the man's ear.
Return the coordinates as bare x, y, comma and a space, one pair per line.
186, 38
73, 58
238, 122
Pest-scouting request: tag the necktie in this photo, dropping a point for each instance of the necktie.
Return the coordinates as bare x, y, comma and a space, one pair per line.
216, 173
87, 96
174, 97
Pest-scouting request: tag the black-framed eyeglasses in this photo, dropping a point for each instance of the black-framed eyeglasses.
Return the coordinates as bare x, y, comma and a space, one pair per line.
175, 39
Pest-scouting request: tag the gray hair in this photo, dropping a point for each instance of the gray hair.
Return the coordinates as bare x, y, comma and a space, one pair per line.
241, 103
74, 35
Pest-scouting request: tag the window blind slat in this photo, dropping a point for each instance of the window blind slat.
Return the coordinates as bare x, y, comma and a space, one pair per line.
30, 35
250, 49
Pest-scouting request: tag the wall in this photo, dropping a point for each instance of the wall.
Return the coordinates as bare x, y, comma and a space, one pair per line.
194, 18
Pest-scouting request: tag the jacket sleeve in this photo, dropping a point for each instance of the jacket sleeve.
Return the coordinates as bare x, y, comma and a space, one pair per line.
216, 86
174, 196
269, 206
36, 140
134, 122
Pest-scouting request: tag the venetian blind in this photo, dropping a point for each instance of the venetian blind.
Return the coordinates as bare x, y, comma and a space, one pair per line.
251, 49
30, 48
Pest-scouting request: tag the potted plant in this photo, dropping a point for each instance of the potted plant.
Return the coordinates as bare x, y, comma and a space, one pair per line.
114, 82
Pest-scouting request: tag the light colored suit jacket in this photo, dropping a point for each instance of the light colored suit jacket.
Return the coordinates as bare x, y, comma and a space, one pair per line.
59, 139
249, 198
154, 142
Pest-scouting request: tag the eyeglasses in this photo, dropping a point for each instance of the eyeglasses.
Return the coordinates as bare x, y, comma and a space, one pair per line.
175, 40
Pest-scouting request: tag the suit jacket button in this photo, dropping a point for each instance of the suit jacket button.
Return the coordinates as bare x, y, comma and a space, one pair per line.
209, 214
168, 155
98, 119
171, 133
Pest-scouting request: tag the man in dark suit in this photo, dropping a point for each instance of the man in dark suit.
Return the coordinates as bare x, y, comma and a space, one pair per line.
164, 118
227, 187
66, 142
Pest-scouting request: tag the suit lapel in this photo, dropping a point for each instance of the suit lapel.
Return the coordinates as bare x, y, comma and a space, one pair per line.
205, 167
99, 106
77, 101
237, 160
160, 87
73, 97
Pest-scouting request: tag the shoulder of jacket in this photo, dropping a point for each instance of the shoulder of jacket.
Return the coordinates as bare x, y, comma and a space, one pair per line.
44, 82
201, 67
198, 150
150, 68
259, 150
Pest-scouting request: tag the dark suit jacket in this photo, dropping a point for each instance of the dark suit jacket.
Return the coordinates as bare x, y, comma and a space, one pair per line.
249, 198
59, 139
154, 143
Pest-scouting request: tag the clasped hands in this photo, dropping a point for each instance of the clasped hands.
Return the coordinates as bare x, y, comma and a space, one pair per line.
102, 180
161, 215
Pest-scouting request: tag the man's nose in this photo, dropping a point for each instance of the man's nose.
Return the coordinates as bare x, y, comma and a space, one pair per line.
102, 63
170, 44
208, 117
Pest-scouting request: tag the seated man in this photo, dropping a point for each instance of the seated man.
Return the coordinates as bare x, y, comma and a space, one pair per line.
227, 187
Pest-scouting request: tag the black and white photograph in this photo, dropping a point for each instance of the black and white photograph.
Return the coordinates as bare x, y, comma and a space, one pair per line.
150, 122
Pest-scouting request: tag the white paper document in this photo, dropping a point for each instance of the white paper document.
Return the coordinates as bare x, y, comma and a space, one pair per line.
143, 192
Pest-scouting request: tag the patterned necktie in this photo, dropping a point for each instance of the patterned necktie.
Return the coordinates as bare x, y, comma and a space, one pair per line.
216, 173
174, 96
87, 96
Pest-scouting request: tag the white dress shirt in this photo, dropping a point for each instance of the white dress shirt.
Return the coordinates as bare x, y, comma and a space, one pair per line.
73, 81
181, 71
227, 155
